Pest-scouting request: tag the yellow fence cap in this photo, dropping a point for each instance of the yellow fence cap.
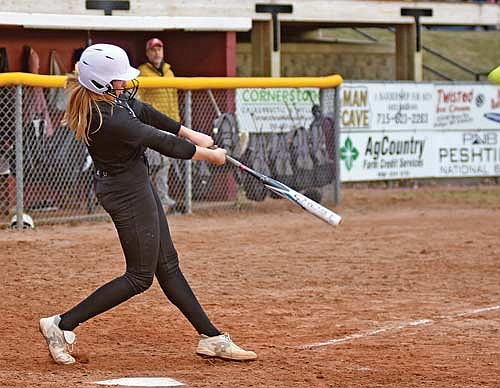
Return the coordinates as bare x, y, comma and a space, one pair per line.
187, 83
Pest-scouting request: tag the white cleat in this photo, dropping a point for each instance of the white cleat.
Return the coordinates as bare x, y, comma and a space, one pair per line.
223, 347
59, 341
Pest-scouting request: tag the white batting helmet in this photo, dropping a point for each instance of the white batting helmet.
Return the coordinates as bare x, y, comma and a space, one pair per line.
102, 63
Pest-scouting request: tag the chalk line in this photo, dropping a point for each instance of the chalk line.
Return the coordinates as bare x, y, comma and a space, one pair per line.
400, 326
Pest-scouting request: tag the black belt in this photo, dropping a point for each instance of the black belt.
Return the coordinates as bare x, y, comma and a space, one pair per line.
102, 173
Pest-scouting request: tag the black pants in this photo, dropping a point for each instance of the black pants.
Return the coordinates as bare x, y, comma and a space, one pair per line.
133, 204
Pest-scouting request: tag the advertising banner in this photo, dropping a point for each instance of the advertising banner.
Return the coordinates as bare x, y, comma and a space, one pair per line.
383, 124
275, 110
467, 107
390, 106
467, 153
382, 156
395, 130
400, 155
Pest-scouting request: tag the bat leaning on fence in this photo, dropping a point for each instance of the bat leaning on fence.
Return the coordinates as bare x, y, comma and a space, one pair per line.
286, 192
280, 189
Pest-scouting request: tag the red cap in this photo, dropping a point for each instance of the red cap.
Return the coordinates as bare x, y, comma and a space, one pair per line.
153, 42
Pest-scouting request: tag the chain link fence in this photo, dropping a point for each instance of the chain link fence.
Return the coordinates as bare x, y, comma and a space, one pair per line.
46, 174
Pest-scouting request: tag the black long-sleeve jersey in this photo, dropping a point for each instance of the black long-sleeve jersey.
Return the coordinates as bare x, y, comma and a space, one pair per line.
127, 128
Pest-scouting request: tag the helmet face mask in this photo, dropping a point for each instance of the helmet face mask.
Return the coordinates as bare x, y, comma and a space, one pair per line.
127, 93
101, 64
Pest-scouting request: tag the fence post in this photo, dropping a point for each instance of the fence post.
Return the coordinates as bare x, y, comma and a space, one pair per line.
19, 157
189, 168
336, 144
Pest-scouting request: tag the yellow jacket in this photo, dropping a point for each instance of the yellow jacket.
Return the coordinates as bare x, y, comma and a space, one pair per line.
163, 99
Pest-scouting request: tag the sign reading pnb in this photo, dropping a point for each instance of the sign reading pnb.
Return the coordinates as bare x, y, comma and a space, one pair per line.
478, 138
469, 154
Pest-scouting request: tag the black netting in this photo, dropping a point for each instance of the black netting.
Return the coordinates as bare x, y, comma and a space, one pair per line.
295, 149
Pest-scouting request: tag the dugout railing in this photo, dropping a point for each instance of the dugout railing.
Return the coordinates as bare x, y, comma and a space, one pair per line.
286, 128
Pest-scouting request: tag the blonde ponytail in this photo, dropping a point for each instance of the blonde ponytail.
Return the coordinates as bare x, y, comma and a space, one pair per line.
78, 114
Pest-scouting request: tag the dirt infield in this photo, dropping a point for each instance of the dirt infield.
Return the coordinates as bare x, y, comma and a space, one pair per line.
406, 293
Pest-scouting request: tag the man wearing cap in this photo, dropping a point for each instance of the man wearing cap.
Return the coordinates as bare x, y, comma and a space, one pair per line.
166, 101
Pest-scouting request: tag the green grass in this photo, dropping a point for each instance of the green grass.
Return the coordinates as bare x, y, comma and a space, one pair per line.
477, 197
477, 50
483, 197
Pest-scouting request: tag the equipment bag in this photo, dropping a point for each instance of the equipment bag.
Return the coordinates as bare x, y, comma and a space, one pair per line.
303, 165
280, 161
323, 165
226, 134
255, 157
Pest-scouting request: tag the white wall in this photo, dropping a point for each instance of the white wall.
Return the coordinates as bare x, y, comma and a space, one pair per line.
304, 10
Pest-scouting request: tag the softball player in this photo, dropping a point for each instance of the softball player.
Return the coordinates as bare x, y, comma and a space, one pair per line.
117, 131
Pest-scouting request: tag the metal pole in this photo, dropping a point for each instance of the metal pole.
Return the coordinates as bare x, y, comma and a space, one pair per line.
322, 101
189, 168
336, 145
19, 157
